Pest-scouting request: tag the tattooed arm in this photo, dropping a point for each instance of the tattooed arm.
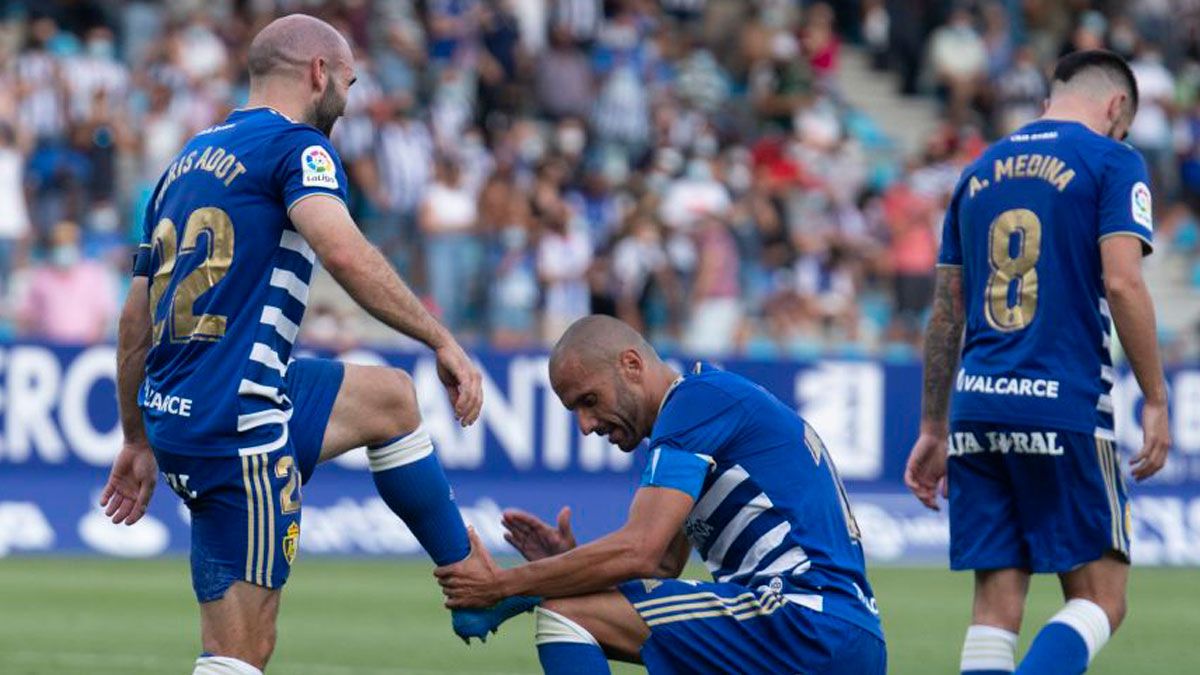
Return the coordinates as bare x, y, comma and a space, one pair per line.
943, 342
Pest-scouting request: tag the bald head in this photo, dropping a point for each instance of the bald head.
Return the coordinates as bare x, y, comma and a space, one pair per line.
303, 68
611, 378
597, 341
290, 43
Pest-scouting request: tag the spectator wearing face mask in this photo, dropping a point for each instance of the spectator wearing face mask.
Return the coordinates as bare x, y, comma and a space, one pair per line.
67, 298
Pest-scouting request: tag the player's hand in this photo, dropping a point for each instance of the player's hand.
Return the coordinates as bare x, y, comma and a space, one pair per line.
130, 484
926, 470
462, 381
1156, 441
536, 539
472, 582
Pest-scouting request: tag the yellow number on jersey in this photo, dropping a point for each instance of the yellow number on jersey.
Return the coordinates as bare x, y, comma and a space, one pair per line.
1008, 269
180, 324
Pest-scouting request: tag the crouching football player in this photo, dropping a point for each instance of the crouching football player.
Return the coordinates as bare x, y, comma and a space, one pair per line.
734, 473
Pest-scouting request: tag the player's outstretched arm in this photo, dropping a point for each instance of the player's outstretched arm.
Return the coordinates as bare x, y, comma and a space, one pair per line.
943, 341
134, 473
1133, 313
632, 552
366, 275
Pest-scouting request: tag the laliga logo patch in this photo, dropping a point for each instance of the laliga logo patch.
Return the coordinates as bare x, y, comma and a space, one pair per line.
317, 168
1140, 203
291, 542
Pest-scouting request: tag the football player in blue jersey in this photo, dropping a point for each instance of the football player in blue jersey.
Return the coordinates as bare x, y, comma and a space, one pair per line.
231, 236
733, 473
1041, 251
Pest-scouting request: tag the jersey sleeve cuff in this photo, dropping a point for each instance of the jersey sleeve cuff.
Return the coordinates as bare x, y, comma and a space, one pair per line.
301, 198
949, 264
1147, 245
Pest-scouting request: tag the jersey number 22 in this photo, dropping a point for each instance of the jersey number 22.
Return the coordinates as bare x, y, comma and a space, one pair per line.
208, 225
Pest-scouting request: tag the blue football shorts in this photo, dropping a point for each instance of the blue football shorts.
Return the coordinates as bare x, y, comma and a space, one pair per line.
246, 510
1043, 500
709, 627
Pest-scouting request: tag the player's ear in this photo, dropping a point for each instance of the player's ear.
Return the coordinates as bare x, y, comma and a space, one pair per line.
1116, 108
318, 73
632, 364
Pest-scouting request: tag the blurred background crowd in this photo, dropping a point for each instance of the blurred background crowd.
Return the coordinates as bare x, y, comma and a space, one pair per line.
696, 167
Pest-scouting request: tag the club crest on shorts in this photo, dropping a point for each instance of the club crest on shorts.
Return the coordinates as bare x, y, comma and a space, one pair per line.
291, 542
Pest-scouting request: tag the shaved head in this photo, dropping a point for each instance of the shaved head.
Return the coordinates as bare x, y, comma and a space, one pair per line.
611, 378
288, 44
301, 65
596, 341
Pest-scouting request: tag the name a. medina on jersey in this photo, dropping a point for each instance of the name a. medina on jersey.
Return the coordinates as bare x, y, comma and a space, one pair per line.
1048, 168
1004, 442
167, 403
1006, 386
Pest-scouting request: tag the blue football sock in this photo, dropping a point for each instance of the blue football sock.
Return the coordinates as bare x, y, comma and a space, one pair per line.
565, 647
572, 658
411, 482
1067, 644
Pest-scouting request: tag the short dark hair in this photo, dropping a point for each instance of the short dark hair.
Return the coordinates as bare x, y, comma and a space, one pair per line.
1110, 63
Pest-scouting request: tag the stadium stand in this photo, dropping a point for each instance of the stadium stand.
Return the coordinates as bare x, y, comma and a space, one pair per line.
732, 181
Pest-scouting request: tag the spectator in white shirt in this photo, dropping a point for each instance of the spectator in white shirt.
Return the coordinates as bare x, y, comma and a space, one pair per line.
563, 258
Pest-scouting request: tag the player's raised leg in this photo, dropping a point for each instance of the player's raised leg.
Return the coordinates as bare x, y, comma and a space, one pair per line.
1095, 607
377, 407
990, 645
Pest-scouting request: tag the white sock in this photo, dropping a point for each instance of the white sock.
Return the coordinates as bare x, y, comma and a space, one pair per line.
989, 648
405, 450
223, 665
554, 627
1089, 620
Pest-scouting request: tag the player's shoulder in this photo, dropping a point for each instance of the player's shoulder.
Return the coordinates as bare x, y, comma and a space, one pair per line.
701, 396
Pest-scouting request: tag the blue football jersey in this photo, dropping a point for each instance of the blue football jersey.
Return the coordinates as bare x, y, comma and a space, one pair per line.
229, 282
1025, 225
769, 506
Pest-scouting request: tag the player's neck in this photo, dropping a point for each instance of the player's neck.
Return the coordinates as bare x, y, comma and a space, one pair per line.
1069, 112
265, 97
664, 377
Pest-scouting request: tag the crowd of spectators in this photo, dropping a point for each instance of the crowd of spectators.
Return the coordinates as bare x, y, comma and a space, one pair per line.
690, 166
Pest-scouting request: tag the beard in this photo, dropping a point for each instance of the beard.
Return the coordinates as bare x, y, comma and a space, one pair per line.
327, 111
627, 405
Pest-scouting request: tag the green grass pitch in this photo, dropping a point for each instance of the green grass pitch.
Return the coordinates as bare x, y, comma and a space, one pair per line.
343, 617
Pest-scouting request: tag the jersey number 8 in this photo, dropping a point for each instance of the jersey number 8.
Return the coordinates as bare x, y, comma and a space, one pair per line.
1014, 270
181, 324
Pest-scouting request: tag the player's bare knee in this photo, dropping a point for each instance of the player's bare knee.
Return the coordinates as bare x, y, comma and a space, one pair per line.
399, 412
567, 607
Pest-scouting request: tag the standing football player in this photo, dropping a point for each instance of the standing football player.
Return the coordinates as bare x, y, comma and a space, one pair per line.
732, 472
230, 238
1041, 251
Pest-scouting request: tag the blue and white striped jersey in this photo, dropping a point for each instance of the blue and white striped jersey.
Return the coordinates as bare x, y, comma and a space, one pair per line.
229, 282
769, 506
